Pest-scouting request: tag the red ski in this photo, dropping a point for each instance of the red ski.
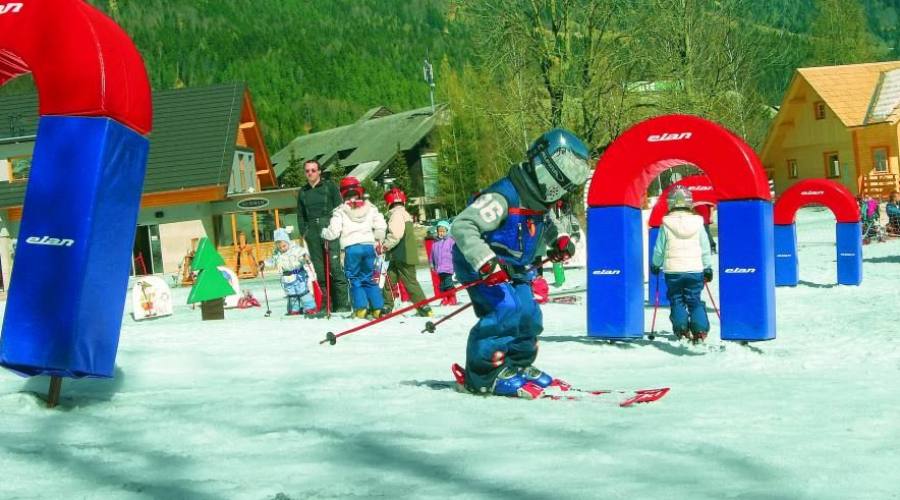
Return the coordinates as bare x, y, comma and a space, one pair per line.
560, 390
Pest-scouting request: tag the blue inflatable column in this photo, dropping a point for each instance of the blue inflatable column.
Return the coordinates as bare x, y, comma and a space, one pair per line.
849, 253
615, 287
786, 263
746, 270
67, 295
655, 283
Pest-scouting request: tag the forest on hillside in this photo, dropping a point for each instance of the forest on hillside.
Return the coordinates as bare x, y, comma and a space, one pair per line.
507, 68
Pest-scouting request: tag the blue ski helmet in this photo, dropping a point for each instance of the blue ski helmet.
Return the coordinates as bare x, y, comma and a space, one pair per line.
558, 162
444, 224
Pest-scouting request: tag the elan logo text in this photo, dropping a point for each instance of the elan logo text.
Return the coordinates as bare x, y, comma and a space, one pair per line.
669, 137
53, 242
740, 270
606, 272
11, 7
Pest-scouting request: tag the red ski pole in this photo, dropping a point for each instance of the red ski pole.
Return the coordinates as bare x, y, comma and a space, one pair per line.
331, 337
431, 326
327, 280
711, 299
655, 308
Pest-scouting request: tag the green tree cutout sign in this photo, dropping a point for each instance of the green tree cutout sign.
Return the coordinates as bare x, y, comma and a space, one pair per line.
210, 284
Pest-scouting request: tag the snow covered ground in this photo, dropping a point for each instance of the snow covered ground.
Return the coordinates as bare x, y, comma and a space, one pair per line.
255, 408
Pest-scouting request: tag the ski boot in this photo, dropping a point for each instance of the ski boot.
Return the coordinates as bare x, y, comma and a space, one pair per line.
535, 375
683, 334
698, 338
509, 383
373, 314
313, 314
425, 312
360, 313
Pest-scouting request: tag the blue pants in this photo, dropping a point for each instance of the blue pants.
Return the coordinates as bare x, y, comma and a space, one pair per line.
359, 266
296, 287
686, 310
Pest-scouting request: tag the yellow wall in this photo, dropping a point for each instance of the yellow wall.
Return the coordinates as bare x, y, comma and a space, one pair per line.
877, 136
801, 137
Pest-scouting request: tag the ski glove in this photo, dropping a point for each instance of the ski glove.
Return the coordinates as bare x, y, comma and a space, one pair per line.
707, 275
493, 273
654, 270
562, 249
379, 249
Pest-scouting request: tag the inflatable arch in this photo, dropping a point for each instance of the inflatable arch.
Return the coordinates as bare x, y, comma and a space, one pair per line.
67, 294
843, 205
704, 193
746, 248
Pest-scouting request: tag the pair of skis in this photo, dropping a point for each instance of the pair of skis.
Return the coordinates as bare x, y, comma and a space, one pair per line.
563, 391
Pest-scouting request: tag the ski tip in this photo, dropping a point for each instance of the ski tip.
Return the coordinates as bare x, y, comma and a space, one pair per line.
459, 373
645, 396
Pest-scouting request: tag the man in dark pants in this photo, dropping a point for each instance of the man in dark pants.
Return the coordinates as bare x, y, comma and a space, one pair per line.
317, 199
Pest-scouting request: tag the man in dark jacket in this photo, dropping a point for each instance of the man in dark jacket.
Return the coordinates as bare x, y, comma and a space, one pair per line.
317, 199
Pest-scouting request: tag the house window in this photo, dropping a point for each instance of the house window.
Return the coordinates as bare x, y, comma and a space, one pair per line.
819, 110
19, 168
793, 172
832, 165
880, 160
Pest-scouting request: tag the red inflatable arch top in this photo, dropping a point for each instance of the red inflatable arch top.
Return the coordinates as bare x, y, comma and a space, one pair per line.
699, 186
633, 160
832, 194
83, 63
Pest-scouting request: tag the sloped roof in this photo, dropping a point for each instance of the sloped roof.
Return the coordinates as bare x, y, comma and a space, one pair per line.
192, 143
848, 90
376, 137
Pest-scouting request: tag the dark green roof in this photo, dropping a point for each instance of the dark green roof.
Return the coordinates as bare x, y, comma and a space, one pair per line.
370, 143
192, 143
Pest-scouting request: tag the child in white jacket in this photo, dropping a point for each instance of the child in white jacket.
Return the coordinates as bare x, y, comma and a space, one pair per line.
361, 229
297, 275
682, 253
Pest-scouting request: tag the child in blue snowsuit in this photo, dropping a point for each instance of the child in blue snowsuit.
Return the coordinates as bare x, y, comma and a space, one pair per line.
497, 238
683, 253
293, 262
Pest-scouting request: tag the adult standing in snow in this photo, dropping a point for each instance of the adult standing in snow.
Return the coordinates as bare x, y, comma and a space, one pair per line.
497, 237
682, 253
315, 203
360, 227
402, 249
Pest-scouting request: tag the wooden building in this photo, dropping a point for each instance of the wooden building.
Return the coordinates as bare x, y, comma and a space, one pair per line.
840, 123
208, 173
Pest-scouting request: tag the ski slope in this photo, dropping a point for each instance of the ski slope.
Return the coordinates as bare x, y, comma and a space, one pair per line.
254, 408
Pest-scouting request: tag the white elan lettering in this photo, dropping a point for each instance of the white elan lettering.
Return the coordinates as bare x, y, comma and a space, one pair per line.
12, 7
48, 241
669, 136
740, 270
606, 272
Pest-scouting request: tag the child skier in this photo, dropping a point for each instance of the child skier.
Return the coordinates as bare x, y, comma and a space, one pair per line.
292, 260
497, 237
893, 213
360, 227
442, 261
401, 247
682, 252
